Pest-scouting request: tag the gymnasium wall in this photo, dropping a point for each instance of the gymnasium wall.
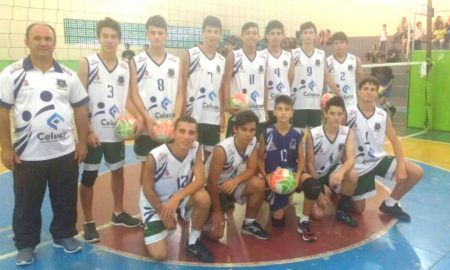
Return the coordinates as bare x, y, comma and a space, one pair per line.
356, 17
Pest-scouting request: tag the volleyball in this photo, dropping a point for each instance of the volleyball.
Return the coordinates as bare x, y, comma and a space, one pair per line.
163, 130
282, 181
238, 101
381, 90
324, 99
125, 127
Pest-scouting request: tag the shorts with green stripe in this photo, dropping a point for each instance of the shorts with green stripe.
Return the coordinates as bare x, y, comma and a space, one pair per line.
113, 152
366, 182
154, 230
143, 145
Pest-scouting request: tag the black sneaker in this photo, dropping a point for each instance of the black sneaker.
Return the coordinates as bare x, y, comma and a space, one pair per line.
305, 231
346, 218
200, 251
125, 220
395, 211
256, 230
90, 232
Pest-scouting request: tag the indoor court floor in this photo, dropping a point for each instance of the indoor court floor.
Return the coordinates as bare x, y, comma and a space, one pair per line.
379, 242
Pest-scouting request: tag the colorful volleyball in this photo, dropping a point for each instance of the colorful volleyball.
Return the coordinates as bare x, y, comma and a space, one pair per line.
125, 127
163, 130
282, 181
238, 101
324, 99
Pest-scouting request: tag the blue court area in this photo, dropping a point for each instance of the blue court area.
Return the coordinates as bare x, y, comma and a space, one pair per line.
421, 244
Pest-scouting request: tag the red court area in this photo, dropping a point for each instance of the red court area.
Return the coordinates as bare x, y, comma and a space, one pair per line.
285, 244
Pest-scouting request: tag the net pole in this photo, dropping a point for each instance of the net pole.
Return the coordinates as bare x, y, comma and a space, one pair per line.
429, 84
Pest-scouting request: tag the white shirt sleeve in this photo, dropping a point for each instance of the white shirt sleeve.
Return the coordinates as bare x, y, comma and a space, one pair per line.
78, 95
6, 90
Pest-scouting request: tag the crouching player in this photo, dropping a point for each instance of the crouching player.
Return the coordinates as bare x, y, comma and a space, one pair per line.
330, 158
231, 171
173, 183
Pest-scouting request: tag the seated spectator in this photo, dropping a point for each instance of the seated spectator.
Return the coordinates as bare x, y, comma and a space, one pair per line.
419, 36
439, 31
393, 54
128, 54
372, 56
447, 35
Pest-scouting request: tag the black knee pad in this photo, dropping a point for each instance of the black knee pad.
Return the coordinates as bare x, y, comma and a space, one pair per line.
88, 178
311, 188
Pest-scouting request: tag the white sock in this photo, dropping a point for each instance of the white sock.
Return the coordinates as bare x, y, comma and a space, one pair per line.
390, 202
249, 220
117, 213
304, 218
193, 236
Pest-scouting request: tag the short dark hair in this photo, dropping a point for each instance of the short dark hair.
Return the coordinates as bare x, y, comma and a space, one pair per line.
108, 22
27, 33
308, 25
213, 22
283, 99
335, 101
339, 36
247, 25
274, 24
370, 80
157, 21
185, 119
245, 117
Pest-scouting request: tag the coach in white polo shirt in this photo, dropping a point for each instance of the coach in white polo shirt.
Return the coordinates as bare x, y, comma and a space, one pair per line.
45, 99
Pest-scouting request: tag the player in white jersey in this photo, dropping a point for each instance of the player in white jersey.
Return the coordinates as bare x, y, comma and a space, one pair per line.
371, 125
46, 100
345, 69
231, 173
245, 71
106, 79
279, 75
173, 180
203, 70
310, 72
330, 155
154, 81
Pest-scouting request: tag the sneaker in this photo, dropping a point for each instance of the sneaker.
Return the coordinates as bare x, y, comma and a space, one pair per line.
25, 256
393, 111
346, 218
125, 220
305, 231
70, 245
90, 232
200, 251
395, 211
256, 230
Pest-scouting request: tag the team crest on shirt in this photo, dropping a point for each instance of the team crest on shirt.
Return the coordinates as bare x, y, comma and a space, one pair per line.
271, 147
317, 62
121, 80
377, 126
292, 144
341, 146
61, 84
285, 63
218, 69
171, 73
350, 67
261, 69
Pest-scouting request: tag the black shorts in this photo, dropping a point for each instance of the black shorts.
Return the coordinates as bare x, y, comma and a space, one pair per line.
310, 118
208, 134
